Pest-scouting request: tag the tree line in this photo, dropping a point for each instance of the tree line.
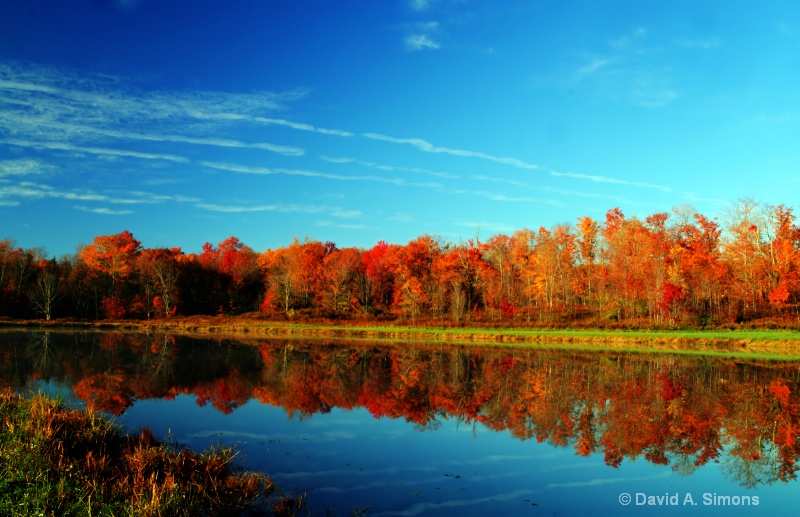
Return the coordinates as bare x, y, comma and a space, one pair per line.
677, 267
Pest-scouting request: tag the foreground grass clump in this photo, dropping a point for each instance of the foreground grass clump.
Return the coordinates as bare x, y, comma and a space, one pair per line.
60, 461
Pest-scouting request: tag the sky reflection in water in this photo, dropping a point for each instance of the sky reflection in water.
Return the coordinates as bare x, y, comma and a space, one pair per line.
347, 459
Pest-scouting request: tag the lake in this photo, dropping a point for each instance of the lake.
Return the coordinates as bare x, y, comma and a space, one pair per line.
401, 429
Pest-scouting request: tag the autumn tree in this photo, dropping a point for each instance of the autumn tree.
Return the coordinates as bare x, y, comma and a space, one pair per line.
9, 255
159, 274
465, 265
587, 281
522, 244
239, 264
84, 287
113, 255
553, 261
696, 262
744, 250
414, 284
47, 291
783, 265
627, 254
280, 274
309, 260
292, 275
450, 295
339, 269
662, 294
378, 272
500, 276
236, 259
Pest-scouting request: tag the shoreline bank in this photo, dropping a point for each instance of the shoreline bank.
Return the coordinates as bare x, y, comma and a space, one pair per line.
777, 342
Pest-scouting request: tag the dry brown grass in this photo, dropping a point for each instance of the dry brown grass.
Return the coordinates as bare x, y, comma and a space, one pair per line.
66, 461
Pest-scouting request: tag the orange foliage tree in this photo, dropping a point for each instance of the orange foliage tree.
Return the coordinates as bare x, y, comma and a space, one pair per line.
113, 256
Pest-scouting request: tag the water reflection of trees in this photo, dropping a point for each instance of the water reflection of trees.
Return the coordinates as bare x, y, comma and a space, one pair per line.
671, 410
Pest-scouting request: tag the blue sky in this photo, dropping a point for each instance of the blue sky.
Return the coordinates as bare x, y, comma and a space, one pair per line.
358, 121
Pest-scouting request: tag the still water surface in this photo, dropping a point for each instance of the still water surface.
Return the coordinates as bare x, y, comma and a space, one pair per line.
409, 429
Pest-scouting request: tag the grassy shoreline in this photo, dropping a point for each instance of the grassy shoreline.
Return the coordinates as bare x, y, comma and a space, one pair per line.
759, 342
55, 460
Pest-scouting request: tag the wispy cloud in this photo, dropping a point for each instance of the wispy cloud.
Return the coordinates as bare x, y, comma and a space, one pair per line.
23, 167
343, 226
633, 69
517, 199
425, 146
339, 159
605, 179
421, 36
501, 197
418, 41
48, 112
50, 106
428, 147
388, 168
300, 126
219, 142
61, 146
605, 481
504, 181
102, 211
240, 209
109, 92
27, 190
149, 197
50, 109
592, 195
333, 211
246, 169
595, 65
51, 133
